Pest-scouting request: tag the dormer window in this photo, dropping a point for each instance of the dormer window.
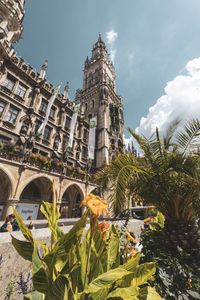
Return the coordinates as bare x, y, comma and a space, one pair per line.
21, 90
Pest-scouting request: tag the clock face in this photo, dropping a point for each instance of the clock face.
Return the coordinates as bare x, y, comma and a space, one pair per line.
109, 73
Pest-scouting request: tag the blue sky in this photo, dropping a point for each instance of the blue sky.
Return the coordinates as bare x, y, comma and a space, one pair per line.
154, 42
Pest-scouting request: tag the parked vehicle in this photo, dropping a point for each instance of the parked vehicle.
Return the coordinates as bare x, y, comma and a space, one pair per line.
139, 212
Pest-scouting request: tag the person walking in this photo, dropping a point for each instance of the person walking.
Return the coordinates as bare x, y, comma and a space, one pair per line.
7, 226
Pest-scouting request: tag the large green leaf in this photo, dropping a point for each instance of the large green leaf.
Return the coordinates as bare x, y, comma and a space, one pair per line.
148, 293
124, 293
83, 253
132, 263
24, 229
24, 248
139, 274
58, 258
143, 273
47, 210
58, 289
113, 249
105, 280
35, 295
100, 295
39, 276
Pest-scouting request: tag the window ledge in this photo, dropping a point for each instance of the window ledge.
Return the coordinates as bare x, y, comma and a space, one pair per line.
8, 124
46, 142
19, 98
42, 112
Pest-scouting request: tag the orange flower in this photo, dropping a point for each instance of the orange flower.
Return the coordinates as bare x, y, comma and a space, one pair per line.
132, 251
189, 283
103, 226
96, 204
129, 237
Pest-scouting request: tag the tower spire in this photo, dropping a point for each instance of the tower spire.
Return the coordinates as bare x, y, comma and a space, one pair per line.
99, 40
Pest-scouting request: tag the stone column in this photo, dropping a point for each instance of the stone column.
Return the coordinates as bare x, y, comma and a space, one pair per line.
8, 208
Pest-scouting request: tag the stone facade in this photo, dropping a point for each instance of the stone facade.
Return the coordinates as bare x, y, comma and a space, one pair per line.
98, 98
28, 163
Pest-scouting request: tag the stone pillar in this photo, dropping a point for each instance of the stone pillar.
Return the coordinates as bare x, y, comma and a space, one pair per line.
8, 208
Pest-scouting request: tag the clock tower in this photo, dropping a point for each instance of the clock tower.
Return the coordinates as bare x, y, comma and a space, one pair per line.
98, 99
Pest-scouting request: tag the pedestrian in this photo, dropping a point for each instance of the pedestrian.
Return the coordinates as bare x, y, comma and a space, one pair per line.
7, 226
15, 226
31, 225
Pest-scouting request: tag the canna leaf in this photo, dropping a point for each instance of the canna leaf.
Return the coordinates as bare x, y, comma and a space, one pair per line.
47, 210
148, 293
143, 273
24, 229
113, 250
124, 293
39, 276
59, 289
24, 248
58, 258
35, 295
105, 280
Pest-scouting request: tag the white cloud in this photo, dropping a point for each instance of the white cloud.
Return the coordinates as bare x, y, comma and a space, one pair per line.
180, 101
111, 36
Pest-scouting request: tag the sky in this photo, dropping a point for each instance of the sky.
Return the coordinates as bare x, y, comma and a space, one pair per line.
154, 44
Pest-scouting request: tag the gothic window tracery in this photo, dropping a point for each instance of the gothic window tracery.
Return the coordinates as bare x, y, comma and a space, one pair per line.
114, 116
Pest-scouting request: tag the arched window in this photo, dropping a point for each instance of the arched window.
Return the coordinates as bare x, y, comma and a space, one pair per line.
92, 103
86, 107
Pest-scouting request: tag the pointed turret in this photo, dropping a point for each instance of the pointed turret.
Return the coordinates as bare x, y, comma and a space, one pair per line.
99, 50
87, 62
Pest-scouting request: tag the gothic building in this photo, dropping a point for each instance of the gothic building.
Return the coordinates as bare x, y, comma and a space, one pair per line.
29, 163
98, 98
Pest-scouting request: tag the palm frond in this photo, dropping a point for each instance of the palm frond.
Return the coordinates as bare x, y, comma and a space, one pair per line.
190, 137
116, 177
170, 133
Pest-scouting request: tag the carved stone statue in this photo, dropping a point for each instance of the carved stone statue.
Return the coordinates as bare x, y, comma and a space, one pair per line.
43, 69
66, 91
56, 142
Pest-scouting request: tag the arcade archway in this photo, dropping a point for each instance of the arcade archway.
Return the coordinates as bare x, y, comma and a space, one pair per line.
5, 188
36, 191
71, 200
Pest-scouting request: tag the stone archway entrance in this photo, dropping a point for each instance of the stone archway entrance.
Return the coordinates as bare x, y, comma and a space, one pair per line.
70, 203
36, 191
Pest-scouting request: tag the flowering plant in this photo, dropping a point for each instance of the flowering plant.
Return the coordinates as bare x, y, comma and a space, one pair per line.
81, 266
